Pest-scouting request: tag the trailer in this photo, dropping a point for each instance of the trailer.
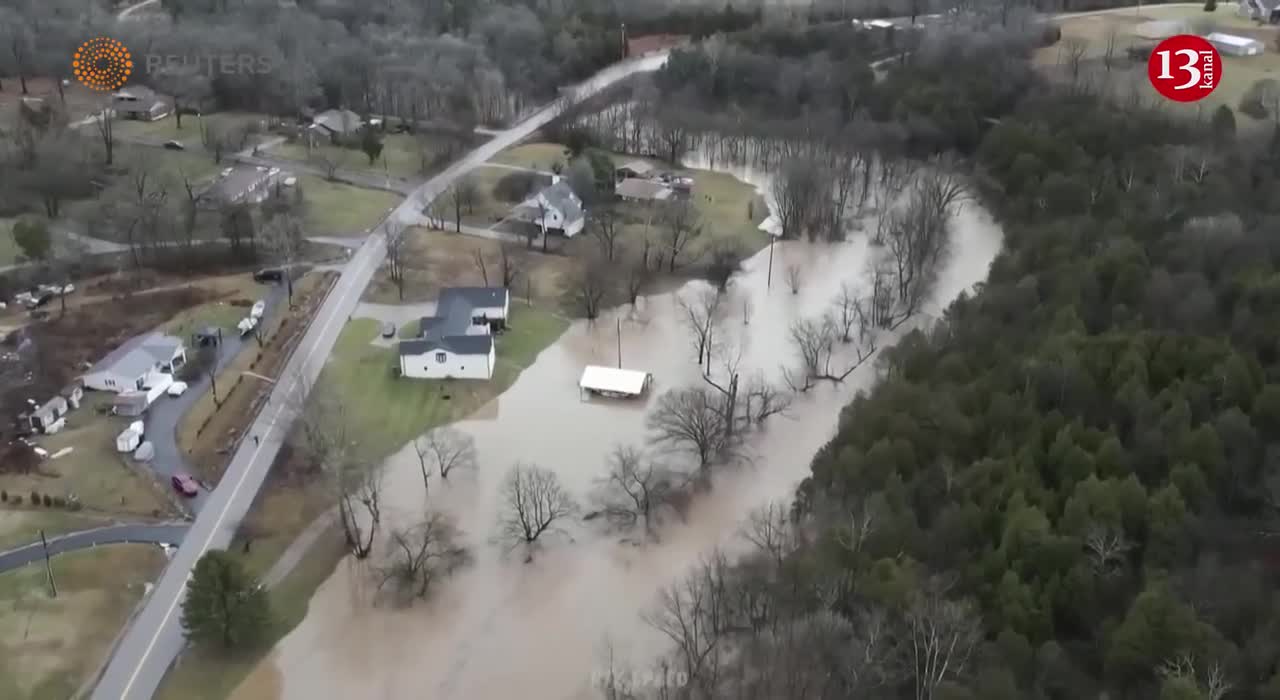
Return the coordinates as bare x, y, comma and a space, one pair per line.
614, 383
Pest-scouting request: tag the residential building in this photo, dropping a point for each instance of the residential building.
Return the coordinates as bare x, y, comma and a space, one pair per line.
635, 169
554, 209
1233, 45
637, 190
238, 184
140, 103
336, 123
139, 363
457, 343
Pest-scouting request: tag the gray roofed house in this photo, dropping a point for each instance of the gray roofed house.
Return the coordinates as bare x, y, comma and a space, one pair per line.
457, 343
337, 122
138, 102
555, 208
241, 183
635, 168
136, 363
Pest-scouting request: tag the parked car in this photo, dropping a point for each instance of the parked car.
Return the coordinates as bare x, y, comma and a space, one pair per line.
185, 485
271, 274
174, 146
388, 330
259, 308
177, 389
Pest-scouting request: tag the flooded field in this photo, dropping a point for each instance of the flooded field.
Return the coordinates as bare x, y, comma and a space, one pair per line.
506, 628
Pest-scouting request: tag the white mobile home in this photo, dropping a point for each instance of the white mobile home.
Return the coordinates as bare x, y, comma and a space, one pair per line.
1233, 45
137, 364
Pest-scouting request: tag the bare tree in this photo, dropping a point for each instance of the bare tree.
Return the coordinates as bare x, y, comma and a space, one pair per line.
106, 129
636, 489
795, 191
534, 502
815, 344
851, 313
694, 614
1214, 685
457, 199
938, 637
445, 449
282, 239
793, 278
693, 421
605, 226
511, 262
1107, 550
762, 400
917, 235
421, 554
700, 316
393, 234
359, 490
680, 225
726, 258
635, 277
1072, 52
467, 193
481, 264
591, 285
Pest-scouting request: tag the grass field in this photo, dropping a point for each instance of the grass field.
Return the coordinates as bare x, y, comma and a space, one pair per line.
221, 313
19, 526
537, 156
336, 209
400, 156
388, 411
50, 646
1128, 80
190, 133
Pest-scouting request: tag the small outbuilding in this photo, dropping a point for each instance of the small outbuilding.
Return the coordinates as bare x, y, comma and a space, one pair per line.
614, 383
634, 189
635, 169
1234, 45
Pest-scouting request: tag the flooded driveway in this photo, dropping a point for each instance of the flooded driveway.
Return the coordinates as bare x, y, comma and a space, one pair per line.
504, 628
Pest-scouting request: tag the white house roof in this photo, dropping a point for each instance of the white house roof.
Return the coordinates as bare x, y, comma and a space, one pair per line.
1231, 39
139, 354
622, 381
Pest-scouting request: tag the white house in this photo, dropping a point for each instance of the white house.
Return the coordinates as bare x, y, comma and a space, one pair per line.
457, 343
1233, 45
556, 208
138, 364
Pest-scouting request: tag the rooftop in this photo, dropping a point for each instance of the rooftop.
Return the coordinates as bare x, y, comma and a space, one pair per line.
139, 354
339, 121
636, 188
238, 182
447, 330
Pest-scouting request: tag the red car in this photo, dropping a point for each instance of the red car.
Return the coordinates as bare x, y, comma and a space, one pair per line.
185, 485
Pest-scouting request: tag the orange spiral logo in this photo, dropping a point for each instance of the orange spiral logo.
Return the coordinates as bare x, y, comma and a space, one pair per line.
102, 64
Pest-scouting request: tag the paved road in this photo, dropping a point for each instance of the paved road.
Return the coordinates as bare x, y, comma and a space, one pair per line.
155, 637
164, 533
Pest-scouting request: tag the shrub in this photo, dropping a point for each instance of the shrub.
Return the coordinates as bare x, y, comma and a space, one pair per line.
516, 186
17, 500
59, 502
4, 496
35, 498
1210, 5
48, 501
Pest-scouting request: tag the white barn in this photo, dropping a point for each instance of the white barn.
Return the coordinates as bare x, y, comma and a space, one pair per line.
141, 362
1233, 45
457, 343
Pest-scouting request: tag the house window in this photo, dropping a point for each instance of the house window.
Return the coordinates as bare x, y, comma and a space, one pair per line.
141, 381
441, 357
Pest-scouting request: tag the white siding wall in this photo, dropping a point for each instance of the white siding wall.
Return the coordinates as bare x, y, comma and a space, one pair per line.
107, 381
494, 311
428, 366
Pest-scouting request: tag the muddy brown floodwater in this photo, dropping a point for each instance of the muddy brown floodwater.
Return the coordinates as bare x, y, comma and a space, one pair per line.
504, 628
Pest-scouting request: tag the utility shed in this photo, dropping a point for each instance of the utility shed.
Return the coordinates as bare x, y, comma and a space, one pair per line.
1233, 45
614, 383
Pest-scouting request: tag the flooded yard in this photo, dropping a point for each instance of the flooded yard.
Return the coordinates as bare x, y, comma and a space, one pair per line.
504, 628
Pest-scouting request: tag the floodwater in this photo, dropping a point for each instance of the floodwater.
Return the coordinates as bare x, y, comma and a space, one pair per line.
506, 628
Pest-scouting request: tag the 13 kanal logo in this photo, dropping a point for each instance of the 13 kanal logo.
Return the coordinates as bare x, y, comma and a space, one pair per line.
1184, 68
102, 64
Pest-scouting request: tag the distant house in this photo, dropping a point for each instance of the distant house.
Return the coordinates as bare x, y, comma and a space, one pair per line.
1233, 45
637, 190
653, 43
336, 123
555, 208
140, 103
139, 363
1260, 10
241, 184
48, 417
635, 169
457, 343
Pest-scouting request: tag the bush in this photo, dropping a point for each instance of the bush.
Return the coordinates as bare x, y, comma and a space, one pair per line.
4, 496
35, 498
17, 500
1210, 5
516, 186
48, 501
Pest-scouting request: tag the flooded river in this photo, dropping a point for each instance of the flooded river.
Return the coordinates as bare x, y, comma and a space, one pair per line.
504, 628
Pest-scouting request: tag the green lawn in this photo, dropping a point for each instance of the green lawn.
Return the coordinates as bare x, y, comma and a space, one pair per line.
389, 411
489, 208
538, 156
50, 646
190, 134
337, 209
9, 251
171, 166
400, 156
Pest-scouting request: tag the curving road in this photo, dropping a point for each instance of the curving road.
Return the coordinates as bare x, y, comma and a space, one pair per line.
154, 639
164, 533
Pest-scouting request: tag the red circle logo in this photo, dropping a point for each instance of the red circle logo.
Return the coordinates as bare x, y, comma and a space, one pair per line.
1184, 68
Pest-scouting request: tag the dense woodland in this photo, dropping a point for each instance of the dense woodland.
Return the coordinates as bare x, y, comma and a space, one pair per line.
1069, 487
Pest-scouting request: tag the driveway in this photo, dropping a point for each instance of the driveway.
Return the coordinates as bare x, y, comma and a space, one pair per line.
166, 413
398, 314
163, 533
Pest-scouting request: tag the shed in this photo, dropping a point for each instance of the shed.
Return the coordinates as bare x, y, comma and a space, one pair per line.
635, 169
1233, 45
129, 440
130, 403
43, 418
614, 383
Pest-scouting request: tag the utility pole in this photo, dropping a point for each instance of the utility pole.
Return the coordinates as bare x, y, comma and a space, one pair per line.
769, 280
619, 342
48, 565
